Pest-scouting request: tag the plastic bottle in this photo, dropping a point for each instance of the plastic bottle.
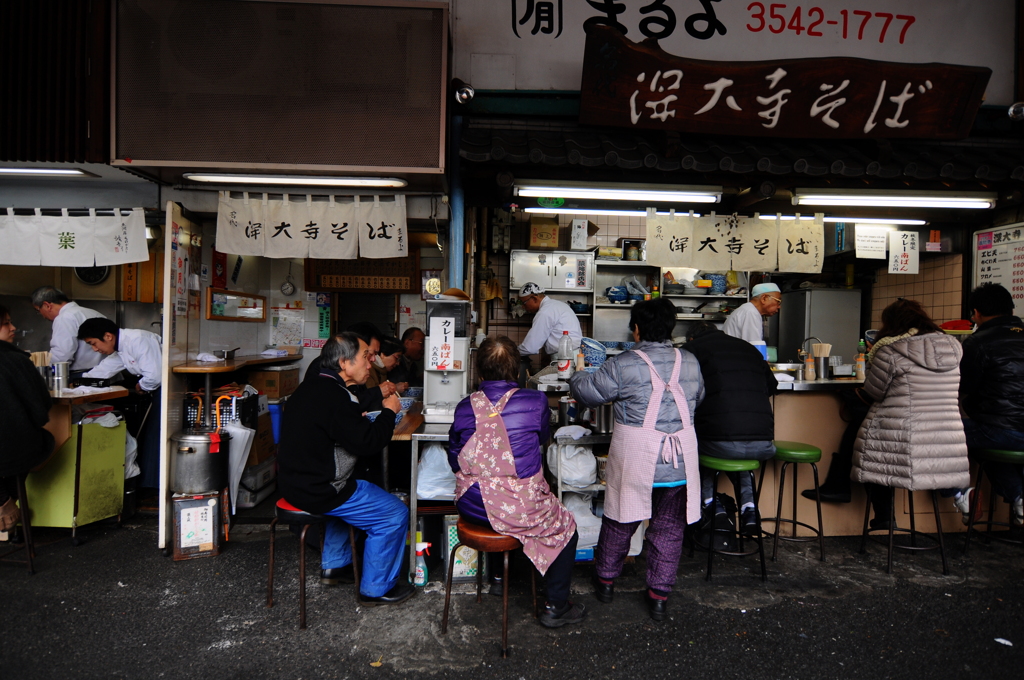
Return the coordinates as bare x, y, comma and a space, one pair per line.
860, 371
654, 292
566, 355
420, 579
580, 361
809, 373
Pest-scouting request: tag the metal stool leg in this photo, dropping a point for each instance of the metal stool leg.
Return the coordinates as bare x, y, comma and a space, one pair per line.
26, 524
504, 610
355, 556
270, 565
711, 536
938, 528
867, 516
974, 508
892, 526
913, 522
778, 510
817, 503
448, 586
302, 577
760, 535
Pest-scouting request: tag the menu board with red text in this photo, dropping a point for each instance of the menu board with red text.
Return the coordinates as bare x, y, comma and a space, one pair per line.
999, 258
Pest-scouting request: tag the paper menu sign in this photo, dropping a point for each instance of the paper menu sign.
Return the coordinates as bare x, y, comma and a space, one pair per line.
871, 242
802, 245
442, 336
903, 252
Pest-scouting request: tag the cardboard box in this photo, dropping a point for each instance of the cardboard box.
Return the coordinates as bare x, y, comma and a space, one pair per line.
250, 499
467, 560
255, 477
198, 525
543, 233
579, 231
263, 446
275, 382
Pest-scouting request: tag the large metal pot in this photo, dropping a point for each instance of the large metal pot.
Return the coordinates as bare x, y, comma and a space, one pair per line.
604, 419
200, 464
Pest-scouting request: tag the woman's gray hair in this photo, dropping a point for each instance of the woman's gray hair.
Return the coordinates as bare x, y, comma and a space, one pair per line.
45, 294
342, 347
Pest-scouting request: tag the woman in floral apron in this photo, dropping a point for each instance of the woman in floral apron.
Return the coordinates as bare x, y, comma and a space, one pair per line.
653, 455
495, 451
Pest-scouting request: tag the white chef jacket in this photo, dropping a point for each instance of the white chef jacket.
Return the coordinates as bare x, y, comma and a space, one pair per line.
64, 342
139, 353
745, 323
553, 317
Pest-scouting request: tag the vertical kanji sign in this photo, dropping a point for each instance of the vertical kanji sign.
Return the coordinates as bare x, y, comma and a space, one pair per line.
903, 252
442, 334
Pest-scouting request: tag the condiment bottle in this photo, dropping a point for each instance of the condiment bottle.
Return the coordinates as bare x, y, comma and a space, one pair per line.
809, 373
579, 361
654, 292
861, 361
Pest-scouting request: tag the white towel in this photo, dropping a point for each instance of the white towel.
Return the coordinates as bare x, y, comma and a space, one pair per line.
207, 358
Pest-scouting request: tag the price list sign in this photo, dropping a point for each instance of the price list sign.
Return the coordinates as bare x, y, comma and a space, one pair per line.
999, 258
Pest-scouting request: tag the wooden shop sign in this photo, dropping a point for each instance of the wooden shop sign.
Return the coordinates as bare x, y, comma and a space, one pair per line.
639, 85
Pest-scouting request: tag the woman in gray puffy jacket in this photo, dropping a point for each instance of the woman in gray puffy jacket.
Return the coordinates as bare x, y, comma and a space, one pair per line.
634, 489
912, 437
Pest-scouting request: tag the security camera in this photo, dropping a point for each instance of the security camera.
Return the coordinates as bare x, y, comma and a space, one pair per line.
1016, 111
464, 92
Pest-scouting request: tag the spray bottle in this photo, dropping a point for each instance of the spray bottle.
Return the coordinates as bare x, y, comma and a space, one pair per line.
420, 579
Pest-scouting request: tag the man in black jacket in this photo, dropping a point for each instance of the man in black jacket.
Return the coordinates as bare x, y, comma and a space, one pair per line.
735, 420
992, 390
24, 410
323, 433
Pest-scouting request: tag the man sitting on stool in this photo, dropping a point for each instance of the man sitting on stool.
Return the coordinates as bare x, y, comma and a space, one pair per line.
323, 432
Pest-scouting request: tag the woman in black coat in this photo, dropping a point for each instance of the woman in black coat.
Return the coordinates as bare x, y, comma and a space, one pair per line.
24, 410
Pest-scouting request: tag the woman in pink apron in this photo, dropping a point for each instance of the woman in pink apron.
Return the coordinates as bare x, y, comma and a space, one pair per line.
653, 455
495, 451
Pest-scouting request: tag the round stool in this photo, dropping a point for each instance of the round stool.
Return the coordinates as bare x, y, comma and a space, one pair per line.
287, 513
795, 453
720, 465
28, 545
991, 456
912, 531
486, 540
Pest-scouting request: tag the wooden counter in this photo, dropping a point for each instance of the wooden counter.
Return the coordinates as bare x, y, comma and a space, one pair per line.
410, 422
229, 365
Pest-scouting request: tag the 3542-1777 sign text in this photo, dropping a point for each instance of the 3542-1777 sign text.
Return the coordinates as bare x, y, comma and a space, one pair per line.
639, 85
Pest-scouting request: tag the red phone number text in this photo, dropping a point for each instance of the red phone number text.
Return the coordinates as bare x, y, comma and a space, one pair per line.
775, 19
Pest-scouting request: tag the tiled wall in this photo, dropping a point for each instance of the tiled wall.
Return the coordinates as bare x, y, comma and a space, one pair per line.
938, 287
611, 229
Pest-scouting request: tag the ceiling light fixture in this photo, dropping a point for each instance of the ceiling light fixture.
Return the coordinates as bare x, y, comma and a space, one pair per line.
45, 172
857, 220
599, 211
661, 193
297, 180
894, 199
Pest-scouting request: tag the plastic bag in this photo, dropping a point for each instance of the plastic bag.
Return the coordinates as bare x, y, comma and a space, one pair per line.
131, 453
588, 525
435, 479
579, 466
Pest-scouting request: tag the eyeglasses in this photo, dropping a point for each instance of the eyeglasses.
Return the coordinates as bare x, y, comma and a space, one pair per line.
779, 300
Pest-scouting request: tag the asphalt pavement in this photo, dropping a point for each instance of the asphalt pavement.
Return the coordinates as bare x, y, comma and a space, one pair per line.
115, 607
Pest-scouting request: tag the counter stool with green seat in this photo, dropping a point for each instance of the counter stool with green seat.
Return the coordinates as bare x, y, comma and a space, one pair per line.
912, 532
794, 453
720, 465
993, 456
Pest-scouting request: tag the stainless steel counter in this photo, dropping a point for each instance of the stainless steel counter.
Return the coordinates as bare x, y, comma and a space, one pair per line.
818, 385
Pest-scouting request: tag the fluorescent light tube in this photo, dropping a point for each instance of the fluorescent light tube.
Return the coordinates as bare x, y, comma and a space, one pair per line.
297, 180
895, 199
57, 172
601, 211
857, 220
619, 192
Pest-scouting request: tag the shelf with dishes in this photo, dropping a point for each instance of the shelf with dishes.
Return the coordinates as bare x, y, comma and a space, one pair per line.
700, 295
622, 263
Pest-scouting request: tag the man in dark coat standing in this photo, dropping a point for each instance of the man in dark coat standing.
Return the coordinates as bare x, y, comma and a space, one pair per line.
992, 391
24, 410
735, 420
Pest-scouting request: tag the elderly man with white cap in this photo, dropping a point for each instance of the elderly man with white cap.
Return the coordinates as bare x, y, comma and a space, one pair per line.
745, 322
551, 318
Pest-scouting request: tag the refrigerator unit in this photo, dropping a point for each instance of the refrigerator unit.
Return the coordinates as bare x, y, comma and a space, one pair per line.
831, 314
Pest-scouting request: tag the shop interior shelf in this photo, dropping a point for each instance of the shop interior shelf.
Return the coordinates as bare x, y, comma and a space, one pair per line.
622, 263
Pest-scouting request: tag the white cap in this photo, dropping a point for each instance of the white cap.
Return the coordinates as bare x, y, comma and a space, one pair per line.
762, 288
531, 288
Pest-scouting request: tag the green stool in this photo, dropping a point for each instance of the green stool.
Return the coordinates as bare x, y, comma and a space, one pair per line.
795, 453
993, 456
720, 465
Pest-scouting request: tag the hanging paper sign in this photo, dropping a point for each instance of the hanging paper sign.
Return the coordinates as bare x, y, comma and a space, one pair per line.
241, 229
382, 228
287, 233
871, 242
903, 252
802, 245
442, 333
669, 239
65, 242
324, 318
710, 236
120, 239
20, 239
754, 245
336, 236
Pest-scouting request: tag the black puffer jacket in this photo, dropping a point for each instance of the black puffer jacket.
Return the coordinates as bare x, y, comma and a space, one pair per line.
737, 384
992, 374
24, 409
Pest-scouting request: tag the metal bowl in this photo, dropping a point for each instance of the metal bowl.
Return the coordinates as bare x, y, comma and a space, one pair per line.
225, 353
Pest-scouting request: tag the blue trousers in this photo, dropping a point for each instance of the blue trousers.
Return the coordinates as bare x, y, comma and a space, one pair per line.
385, 519
1006, 479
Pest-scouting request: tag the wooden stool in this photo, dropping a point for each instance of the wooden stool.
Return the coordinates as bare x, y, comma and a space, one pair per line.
28, 544
485, 540
912, 531
289, 514
795, 452
720, 465
994, 456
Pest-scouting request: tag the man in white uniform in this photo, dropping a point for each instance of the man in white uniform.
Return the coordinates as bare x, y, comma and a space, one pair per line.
551, 318
139, 353
746, 321
66, 316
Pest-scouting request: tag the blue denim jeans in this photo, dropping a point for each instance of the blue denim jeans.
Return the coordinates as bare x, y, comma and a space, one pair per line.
385, 519
1006, 479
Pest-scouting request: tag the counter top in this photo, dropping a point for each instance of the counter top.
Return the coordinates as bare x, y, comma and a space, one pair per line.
409, 423
818, 385
73, 399
229, 365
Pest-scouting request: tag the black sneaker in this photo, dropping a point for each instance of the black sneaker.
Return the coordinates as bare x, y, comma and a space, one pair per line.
497, 587
656, 608
338, 576
749, 524
828, 494
604, 592
553, 617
